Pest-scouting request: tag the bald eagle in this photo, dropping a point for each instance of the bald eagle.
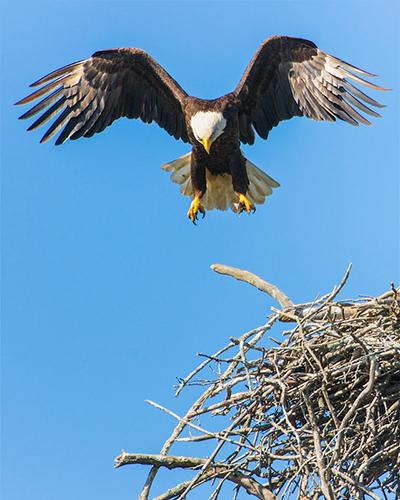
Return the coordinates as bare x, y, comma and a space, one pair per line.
286, 77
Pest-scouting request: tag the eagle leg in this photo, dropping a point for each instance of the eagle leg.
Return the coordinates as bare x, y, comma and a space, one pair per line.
245, 204
195, 207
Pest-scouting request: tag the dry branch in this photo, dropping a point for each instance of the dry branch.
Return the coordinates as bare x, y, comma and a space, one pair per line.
214, 471
254, 280
317, 416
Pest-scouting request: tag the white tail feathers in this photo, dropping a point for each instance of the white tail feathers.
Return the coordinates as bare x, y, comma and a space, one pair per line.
220, 193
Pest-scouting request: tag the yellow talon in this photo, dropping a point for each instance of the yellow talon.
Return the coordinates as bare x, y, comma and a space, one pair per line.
245, 204
195, 207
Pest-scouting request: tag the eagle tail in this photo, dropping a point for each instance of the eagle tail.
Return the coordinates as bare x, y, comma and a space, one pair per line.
220, 193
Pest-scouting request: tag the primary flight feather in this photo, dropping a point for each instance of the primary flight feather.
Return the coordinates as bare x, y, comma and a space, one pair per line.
286, 77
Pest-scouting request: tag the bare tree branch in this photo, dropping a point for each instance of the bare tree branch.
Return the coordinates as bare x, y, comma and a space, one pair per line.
254, 280
215, 471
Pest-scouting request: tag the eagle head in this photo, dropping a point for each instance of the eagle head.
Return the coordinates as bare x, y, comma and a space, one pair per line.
207, 126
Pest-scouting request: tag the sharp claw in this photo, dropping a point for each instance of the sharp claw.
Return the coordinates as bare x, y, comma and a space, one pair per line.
195, 208
245, 204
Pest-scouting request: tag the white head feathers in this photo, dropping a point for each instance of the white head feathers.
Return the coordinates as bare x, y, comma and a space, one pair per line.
207, 126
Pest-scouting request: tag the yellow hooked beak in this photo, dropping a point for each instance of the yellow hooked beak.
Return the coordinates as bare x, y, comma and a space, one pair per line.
207, 144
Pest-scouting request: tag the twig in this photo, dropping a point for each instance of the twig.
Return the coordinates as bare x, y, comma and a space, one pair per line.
325, 486
218, 436
235, 423
256, 332
359, 485
366, 392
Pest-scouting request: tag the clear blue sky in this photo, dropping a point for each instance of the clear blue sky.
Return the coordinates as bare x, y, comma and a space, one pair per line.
107, 289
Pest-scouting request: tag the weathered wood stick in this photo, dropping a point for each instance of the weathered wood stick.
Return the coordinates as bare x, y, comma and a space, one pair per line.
254, 280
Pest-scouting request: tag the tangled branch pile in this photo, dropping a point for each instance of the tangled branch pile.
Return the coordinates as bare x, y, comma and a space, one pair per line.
317, 416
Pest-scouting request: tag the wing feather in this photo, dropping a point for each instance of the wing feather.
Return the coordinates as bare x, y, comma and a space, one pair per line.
43, 104
49, 114
99, 121
90, 94
290, 77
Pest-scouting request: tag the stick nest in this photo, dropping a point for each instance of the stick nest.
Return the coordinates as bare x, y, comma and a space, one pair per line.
317, 416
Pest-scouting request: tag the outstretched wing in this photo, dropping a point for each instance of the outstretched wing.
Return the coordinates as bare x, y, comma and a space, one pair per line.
290, 77
89, 95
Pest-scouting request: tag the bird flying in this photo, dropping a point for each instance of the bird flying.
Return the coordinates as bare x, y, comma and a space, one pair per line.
286, 77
